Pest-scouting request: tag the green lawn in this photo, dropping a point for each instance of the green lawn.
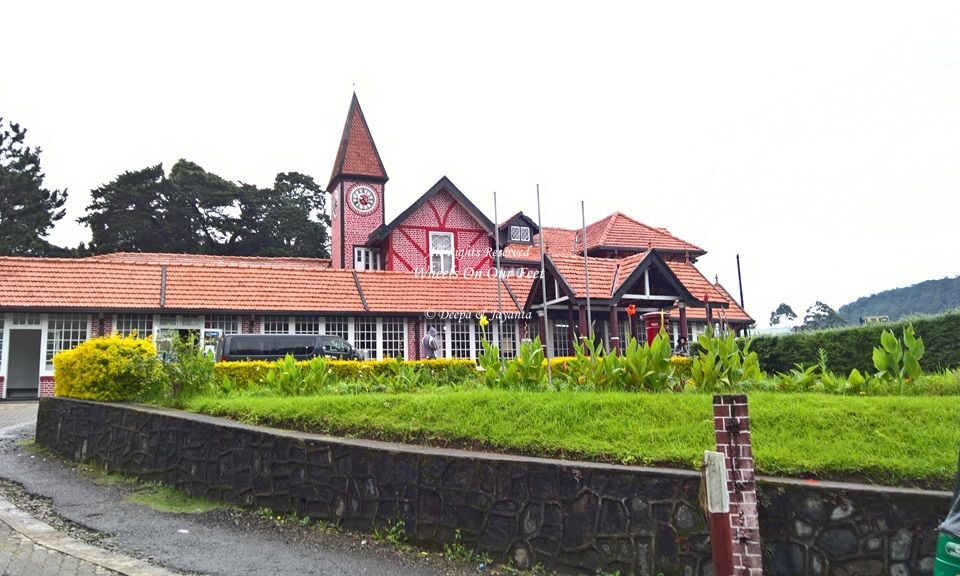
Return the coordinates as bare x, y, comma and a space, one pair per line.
886, 440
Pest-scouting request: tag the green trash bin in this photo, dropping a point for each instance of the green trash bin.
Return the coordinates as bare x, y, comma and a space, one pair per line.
948, 555
948, 544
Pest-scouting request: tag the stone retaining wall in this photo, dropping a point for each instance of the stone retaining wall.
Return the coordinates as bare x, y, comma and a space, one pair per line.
570, 516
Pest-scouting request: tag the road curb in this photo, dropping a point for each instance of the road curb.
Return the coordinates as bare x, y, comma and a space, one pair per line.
49, 537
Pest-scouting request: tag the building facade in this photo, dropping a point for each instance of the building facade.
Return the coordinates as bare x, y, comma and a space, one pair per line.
386, 283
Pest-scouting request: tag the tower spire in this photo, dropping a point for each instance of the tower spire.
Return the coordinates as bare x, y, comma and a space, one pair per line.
357, 155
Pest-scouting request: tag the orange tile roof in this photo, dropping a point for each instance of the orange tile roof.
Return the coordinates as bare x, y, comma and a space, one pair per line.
606, 274
703, 289
41, 283
402, 291
211, 260
558, 240
620, 231
102, 283
249, 288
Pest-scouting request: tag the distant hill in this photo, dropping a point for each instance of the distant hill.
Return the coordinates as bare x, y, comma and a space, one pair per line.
929, 297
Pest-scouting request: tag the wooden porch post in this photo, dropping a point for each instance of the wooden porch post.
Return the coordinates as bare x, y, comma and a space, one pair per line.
614, 330
683, 322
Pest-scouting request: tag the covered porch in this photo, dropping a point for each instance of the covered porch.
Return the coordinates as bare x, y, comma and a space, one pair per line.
614, 299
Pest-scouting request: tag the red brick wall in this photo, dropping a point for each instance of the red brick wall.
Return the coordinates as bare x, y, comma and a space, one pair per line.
357, 227
335, 261
409, 244
413, 339
731, 421
46, 386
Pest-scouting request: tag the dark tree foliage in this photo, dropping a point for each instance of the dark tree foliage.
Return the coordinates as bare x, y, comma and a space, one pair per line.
783, 311
27, 209
195, 211
820, 316
137, 212
929, 297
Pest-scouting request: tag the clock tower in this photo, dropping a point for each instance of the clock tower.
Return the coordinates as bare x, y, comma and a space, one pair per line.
356, 195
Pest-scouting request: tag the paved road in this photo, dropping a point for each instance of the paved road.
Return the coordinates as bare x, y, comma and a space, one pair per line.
222, 542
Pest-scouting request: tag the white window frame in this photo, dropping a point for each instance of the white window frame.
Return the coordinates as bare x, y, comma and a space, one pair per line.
218, 321
300, 324
279, 320
443, 253
519, 233
4, 339
401, 323
84, 329
366, 258
145, 319
369, 328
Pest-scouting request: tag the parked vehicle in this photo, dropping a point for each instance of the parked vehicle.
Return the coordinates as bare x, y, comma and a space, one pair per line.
271, 347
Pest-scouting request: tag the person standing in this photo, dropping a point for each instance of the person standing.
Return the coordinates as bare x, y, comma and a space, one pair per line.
682, 349
431, 346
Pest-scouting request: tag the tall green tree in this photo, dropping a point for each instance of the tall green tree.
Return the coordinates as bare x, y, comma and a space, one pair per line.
196, 211
297, 220
138, 212
783, 311
820, 316
27, 209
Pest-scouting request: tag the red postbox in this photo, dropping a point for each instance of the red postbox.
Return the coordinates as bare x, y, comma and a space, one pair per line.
654, 321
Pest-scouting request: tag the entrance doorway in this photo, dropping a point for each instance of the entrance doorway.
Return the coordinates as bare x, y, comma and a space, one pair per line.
23, 368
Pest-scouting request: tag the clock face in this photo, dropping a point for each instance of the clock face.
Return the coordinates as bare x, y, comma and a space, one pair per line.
335, 204
363, 199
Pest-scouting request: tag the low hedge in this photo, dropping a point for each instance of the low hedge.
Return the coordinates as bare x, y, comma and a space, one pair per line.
110, 368
445, 370
849, 348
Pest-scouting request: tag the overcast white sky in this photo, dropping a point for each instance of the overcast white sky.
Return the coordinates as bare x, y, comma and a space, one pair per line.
818, 140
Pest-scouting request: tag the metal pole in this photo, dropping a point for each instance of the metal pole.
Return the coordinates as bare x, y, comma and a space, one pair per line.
740, 280
543, 286
496, 235
586, 271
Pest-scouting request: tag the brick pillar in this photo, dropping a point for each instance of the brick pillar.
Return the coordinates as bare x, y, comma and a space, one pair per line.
731, 424
46, 386
250, 325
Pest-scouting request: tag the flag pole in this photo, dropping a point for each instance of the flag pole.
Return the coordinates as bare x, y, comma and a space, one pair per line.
586, 271
543, 286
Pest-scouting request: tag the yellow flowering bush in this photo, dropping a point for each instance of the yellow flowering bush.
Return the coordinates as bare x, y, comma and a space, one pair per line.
682, 366
108, 369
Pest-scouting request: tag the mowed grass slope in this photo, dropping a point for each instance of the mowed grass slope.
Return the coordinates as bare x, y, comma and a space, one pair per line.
886, 440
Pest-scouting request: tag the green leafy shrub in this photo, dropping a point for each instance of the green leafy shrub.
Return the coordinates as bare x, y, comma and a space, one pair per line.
721, 364
647, 366
190, 370
896, 363
528, 370
852, 348
111, 368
